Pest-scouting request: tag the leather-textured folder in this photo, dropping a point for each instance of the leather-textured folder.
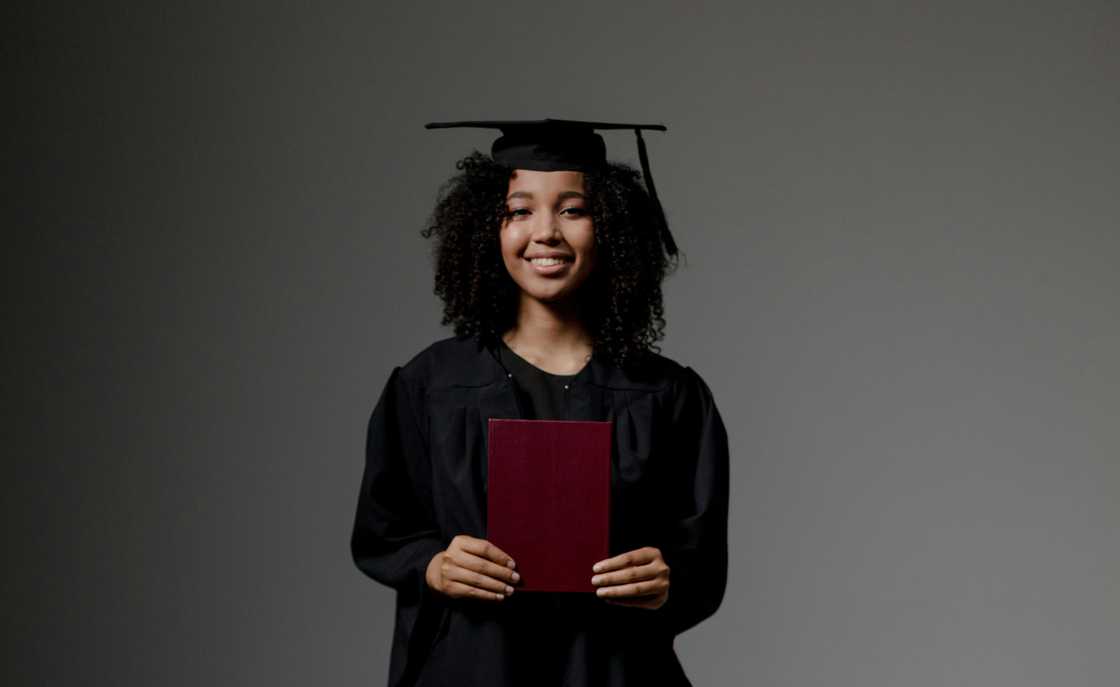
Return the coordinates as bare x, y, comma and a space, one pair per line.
548, 499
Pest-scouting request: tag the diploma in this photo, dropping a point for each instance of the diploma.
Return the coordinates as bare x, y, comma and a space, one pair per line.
548, 499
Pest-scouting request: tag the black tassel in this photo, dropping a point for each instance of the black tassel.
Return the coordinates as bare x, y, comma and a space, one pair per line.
666, 236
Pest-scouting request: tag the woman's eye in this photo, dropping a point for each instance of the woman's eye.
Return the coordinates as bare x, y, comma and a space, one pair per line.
517, 212
574, 212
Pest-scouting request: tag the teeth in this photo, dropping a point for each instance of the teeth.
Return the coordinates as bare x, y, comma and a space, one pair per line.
546, 262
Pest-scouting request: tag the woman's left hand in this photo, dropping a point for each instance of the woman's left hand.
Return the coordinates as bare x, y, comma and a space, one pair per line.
635, 578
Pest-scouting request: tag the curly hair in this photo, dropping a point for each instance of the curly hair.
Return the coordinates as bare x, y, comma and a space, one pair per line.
621, 300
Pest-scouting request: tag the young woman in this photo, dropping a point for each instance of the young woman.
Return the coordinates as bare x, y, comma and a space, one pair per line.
549, 262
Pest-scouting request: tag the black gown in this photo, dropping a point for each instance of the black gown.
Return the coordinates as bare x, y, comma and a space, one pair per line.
425, 482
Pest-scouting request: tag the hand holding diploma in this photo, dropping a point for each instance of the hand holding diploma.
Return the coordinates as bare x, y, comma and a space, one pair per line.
472, 568
635, 578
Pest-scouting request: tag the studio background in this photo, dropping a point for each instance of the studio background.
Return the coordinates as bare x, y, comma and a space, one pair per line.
900, 223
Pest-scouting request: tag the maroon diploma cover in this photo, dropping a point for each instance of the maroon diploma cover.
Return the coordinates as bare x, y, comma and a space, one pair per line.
548, 499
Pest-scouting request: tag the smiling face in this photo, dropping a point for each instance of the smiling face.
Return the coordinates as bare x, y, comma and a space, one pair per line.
547, 238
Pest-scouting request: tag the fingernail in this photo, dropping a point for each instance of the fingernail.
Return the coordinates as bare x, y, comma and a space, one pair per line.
511, 564
600, 592
595, 580
516, 577
509, 590
597, 567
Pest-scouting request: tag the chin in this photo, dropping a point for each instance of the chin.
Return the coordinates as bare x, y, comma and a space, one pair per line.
550, 291
554, 296
551, 298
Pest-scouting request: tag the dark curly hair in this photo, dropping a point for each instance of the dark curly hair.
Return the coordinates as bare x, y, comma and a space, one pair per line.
622, 297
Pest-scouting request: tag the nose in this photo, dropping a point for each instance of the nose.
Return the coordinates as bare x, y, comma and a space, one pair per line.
546, 229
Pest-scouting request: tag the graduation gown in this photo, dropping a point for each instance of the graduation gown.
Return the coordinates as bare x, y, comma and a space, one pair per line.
425, 482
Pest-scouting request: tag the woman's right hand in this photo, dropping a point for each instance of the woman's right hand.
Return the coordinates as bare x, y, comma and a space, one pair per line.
474, 568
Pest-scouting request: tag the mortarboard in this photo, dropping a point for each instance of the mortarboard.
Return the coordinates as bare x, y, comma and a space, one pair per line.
551, 145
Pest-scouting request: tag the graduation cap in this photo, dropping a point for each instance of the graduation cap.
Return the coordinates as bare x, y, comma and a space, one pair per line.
551, 145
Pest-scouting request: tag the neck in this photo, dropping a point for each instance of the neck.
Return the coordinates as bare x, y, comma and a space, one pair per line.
554, 327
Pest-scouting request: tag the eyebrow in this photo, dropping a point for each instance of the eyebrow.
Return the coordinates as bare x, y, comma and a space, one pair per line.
563, 196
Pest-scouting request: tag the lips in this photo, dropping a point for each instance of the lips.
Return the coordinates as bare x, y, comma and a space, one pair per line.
550, 264
548, 261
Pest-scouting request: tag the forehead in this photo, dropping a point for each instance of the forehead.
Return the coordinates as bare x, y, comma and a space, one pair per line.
545, 183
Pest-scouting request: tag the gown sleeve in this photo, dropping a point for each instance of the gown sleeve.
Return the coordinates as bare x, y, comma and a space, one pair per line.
695, 547
395, 536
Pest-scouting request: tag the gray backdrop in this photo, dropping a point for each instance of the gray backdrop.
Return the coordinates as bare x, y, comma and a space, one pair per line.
900, 223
